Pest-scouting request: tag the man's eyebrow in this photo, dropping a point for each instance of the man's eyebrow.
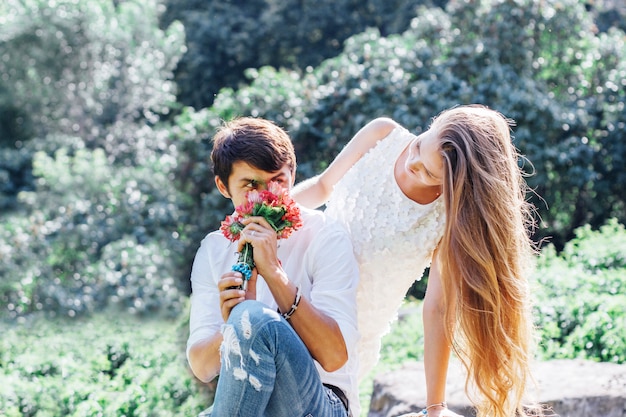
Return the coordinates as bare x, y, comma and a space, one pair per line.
248, 180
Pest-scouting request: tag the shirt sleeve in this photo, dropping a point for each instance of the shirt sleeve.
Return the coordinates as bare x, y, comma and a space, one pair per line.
331, 262
205, 318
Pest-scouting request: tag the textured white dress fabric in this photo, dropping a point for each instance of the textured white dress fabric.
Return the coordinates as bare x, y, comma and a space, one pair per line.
393, 237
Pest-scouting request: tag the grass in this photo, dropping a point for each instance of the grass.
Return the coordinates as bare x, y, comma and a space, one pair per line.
116, 364
111, 364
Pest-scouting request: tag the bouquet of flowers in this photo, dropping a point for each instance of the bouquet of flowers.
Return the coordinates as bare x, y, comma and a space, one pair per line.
273, 204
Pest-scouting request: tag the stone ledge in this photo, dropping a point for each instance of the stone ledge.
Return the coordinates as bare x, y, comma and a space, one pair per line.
573, 388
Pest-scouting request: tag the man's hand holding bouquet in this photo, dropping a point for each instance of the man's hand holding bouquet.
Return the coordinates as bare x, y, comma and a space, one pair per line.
274, 206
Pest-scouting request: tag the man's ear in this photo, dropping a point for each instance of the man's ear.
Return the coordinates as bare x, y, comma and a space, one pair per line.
223, 189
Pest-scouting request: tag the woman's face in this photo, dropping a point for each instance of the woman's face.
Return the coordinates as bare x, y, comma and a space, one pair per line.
424, 163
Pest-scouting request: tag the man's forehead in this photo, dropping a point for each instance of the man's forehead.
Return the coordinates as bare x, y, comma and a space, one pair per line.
242, 171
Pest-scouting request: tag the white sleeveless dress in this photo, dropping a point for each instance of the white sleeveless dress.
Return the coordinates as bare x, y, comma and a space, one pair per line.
393, 237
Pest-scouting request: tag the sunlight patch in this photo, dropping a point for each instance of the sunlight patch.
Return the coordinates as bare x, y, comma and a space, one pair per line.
255, 357
271, 313
256, 384
246, 327
239, 374
230, 345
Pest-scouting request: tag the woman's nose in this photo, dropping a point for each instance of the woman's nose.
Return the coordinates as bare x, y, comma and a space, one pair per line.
415, 163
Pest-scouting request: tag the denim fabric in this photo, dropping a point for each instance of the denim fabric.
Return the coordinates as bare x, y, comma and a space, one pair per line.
267, 371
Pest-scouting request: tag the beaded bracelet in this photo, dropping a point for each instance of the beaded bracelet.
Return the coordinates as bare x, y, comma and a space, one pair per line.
442, 404
294, 306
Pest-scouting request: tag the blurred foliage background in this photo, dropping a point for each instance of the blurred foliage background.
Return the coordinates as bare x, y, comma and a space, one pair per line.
107, 108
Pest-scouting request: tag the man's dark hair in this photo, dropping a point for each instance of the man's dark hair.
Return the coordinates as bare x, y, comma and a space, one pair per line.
258, 142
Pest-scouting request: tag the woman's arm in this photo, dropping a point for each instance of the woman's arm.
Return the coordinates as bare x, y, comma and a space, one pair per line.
436, 344
316, 191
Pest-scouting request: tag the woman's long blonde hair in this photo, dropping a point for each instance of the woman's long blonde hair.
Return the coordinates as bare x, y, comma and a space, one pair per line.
484, 256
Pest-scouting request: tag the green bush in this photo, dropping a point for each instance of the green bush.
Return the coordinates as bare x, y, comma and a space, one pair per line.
100, 70
90, 212
564, 91
95, 234
225, 38
109, 365
581, 296
114, 192
115, 364
296, 35
92, 68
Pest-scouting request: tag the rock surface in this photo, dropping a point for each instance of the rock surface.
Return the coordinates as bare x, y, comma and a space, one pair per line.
572, 388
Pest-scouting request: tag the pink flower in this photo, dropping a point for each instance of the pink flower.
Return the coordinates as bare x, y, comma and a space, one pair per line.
231, 227
254, 196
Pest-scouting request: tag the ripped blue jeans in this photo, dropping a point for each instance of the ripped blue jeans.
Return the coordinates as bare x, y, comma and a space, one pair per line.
267, 370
